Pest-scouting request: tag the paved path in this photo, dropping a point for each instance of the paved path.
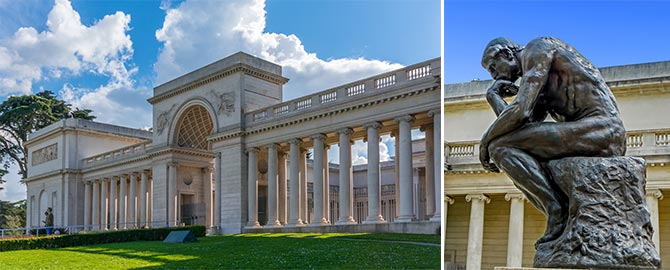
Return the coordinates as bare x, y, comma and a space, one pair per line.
392, 241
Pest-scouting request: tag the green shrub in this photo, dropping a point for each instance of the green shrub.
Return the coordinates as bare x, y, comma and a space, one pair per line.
94, 238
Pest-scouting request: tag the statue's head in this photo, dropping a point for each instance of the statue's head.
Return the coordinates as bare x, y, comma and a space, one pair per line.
500, 59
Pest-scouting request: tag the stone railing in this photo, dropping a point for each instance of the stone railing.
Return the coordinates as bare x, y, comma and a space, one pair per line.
650, 144
421, 71
128, 151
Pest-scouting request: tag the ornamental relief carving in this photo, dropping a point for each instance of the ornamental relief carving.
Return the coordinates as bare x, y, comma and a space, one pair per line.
163, 119
45, 154
225, 102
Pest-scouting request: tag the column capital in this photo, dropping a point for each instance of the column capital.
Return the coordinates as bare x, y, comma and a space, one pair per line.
481, 197
253, 150
435, 112
405, 118
423, 128
318, 136
655, 193
297, 141
171, 164
374, 124
207, 169
448, 199
275, 146
344, 130
514, 196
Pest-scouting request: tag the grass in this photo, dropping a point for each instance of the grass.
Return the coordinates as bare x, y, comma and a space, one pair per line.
243, 251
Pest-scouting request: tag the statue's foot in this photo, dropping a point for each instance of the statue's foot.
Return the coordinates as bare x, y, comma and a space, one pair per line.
555, 226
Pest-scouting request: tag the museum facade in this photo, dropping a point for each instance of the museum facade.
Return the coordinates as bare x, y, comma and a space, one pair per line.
489, 223
226, 151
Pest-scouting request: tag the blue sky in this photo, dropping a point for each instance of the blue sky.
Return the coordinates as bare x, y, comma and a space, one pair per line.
608, 33
107, 55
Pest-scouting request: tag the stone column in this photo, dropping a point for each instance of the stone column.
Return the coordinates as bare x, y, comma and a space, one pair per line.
374, 193
447, 201
252, 182
282, 202
96, 205
319, 218
122, 202
346, 177
172, 194
113, 214
430, 171
515, 237
476, 230
87, 206
294, 183
437, 161
104, 195
132, 198
273, 182
143, 198
405, 169
217, 192
396, 163
207, 189
652, 198
326, 185
303, 186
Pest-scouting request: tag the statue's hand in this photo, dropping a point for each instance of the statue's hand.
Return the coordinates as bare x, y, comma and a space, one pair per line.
485, 159
504, 88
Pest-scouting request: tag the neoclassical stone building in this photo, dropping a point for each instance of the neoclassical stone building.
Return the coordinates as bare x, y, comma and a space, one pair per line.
489, 223
226, 151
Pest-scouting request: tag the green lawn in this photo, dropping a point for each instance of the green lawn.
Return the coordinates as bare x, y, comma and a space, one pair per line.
244, 251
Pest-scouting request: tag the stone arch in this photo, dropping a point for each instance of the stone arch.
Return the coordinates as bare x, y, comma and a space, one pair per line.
192, 124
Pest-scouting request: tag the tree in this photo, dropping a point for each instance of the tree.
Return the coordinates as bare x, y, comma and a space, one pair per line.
12, 214
22, 115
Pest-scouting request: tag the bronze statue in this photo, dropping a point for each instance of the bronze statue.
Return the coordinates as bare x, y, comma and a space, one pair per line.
556, 80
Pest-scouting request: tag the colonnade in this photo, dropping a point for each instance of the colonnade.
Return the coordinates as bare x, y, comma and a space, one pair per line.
292, 210
515, 239
119, 201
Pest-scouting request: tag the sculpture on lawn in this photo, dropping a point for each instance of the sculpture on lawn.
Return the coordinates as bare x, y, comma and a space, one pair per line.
557, 165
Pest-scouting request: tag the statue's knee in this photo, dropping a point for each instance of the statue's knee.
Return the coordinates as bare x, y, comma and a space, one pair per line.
497, 151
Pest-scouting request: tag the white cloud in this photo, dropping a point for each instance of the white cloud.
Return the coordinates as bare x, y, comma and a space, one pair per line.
65, 47
69, 49
13, 189
196, 33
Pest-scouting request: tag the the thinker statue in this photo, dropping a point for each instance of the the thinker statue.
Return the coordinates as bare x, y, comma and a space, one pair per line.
555, 80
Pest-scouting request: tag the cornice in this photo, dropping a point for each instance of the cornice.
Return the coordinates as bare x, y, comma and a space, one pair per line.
326, 113
239, 67
50, 174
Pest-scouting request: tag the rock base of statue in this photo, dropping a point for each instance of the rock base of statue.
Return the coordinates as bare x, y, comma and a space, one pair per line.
608, 223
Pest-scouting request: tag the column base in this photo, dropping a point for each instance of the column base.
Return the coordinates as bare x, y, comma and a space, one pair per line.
437, 218
275, 224
323, 222
252, 225
298, 223
213, 230
374, 220
405, 219
345, 221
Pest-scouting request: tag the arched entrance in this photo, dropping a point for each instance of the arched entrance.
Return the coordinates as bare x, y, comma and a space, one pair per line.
193, 183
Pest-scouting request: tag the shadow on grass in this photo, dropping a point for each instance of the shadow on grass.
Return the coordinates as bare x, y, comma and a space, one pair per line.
272, 251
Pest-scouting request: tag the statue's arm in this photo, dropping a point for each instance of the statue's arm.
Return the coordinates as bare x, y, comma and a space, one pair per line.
496, 94
537, 59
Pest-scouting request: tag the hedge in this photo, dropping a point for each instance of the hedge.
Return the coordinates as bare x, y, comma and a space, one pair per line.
94, 238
